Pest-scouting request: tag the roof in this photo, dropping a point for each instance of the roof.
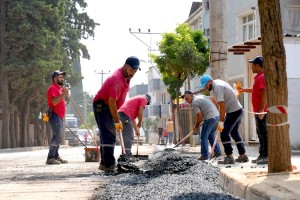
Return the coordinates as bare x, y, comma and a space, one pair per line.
194, 7
247, 46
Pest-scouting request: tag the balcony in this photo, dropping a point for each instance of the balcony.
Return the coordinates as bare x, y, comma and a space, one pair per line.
153, 110
165, 110
154, 85
138, 90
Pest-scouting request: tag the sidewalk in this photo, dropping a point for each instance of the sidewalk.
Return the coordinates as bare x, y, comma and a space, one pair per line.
252, 182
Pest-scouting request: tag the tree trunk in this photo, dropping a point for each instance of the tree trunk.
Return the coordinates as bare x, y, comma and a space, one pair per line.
279, 153
17, 129
192, 143
218, 42
12, 130
24, 124
37, 127
5, 140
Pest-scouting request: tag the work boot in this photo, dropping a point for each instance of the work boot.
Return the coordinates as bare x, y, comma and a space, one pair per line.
262, 161
217, 155
226, 160
255, 160
242, 159
52, 161
61, 160
111, 170
202, 158
101, 167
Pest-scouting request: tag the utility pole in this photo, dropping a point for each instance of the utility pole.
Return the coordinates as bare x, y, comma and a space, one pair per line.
218, 42
102, 73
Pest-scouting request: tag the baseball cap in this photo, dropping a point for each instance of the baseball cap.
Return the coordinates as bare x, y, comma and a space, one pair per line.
149, 98
204, 80
186, 92
133, 62
56, 73
258, 60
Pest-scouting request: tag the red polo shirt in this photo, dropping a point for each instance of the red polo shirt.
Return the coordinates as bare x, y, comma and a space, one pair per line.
54, 91
131, 106
258, 87
115, 87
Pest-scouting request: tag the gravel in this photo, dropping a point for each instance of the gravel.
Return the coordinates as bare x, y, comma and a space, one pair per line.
168, 176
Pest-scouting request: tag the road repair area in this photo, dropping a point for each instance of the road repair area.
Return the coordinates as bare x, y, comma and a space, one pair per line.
166, 175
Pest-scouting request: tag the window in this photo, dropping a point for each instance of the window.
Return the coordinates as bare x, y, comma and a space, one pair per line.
206, 4
248, 27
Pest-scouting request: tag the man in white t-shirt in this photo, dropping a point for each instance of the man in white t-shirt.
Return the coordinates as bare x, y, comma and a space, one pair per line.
231, 113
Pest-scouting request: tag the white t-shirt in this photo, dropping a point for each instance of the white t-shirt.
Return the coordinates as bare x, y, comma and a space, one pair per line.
204, 105
222, 91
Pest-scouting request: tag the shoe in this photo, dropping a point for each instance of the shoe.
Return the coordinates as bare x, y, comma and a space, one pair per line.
202, 158
101, 167
226, 160
242, 159
133, 159
255, 160
217, 155
52, 161
111, 170
61, 160
262, 161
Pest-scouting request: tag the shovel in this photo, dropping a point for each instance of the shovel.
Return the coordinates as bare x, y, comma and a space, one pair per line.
123, 156
182, 140
141, 157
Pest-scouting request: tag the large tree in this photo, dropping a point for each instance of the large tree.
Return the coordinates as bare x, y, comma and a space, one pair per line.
40, 37
183, 53
273, 51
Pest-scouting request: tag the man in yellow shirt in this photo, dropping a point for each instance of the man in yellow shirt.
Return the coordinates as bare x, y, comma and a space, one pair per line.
170, 130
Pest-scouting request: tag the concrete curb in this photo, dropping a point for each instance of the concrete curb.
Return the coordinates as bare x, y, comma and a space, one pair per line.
24, 149
256, 184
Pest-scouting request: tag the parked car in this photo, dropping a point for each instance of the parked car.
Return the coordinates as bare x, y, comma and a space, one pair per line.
81, 133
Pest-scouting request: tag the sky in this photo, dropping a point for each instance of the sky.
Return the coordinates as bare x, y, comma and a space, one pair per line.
113, 42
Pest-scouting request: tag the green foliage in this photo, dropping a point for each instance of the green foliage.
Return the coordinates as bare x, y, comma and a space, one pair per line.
183, 53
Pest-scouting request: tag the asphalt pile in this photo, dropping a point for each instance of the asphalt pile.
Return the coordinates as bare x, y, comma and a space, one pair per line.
168, 176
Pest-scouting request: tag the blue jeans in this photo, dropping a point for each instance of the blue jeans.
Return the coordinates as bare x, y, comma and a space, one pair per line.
128, 135
231, 128
170, 136
56, 124
107, 133
208, 134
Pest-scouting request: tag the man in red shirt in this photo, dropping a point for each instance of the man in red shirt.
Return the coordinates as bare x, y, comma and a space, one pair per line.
106, 103
132, 109
57, 108
259, 103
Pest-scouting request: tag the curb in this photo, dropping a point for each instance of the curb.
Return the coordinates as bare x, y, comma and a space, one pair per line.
256, 184
24, 149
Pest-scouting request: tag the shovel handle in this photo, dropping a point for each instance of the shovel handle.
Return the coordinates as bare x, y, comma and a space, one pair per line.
188, 135
137, 144
122, 142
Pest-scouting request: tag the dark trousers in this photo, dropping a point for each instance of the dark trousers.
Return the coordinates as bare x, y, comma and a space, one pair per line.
56, 124
128, 134
262, 132
107, 133
231, 128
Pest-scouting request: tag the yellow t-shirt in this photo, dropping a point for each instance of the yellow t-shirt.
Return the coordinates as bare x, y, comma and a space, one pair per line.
169, 125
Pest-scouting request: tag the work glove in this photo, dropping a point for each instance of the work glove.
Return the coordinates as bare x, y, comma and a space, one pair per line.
221, 126
45, 117
118, 126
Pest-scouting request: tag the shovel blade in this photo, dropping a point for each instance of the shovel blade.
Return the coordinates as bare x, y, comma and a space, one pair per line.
141, 157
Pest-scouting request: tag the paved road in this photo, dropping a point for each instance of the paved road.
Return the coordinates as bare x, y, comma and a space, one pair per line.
24, 175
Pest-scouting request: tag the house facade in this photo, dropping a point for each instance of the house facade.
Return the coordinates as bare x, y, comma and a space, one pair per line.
243, 30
